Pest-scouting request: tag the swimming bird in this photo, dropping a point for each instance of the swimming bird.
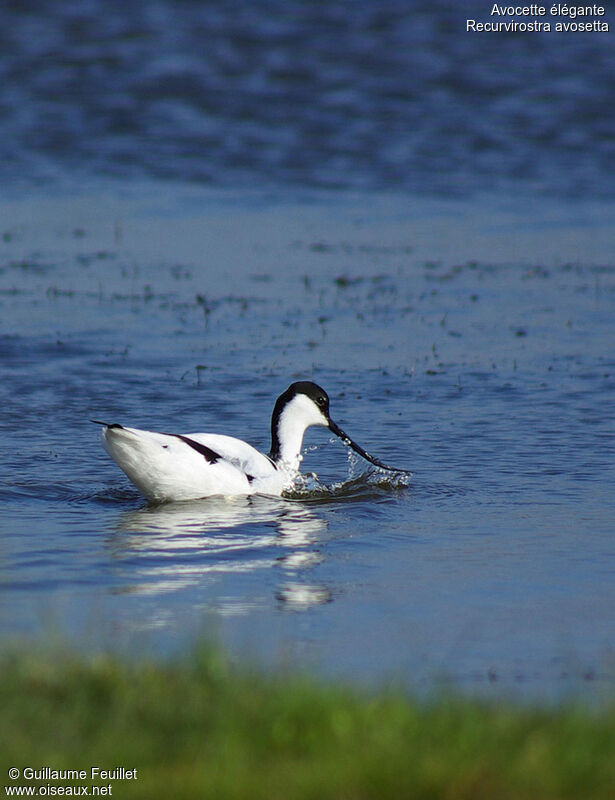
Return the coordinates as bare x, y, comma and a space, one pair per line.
168, 467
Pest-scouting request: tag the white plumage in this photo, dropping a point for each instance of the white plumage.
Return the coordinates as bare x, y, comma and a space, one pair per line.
189, 466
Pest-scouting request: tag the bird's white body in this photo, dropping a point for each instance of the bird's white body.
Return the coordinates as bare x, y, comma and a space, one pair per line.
164, 467
167, 467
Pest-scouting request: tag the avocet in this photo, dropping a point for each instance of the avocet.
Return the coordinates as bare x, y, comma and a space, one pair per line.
168, 467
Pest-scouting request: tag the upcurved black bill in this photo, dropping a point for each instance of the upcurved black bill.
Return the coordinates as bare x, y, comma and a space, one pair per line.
348, 441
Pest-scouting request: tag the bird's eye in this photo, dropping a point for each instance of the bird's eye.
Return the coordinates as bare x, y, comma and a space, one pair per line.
322, 401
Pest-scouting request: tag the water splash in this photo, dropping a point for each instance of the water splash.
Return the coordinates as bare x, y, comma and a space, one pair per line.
367, 484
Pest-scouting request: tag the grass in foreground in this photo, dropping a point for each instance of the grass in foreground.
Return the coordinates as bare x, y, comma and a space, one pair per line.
197, 728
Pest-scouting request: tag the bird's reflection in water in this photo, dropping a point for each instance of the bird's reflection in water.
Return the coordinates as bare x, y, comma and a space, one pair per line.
171, 547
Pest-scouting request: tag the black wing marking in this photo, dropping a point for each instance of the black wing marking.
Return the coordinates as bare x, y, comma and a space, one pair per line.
207, 453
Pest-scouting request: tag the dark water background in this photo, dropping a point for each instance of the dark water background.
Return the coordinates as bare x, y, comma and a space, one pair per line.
202, 202
340, 94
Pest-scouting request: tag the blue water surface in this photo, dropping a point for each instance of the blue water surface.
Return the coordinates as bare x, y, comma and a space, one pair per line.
204, 202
